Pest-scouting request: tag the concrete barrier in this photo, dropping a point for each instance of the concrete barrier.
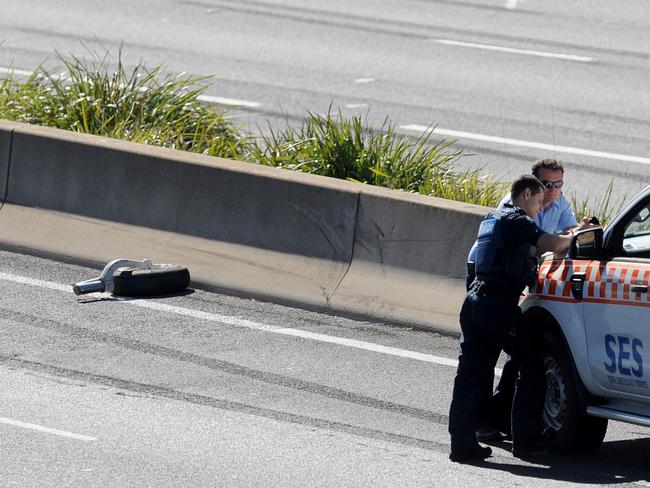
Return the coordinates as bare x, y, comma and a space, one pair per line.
409, 258
242, 228
180, 192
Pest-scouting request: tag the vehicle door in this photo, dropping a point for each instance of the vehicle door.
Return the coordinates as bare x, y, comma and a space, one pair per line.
617, 307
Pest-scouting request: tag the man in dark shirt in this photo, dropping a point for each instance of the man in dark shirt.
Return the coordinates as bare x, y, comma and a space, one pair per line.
508, 240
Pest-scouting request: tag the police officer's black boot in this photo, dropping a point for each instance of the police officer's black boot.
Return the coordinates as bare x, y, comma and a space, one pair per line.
466, 455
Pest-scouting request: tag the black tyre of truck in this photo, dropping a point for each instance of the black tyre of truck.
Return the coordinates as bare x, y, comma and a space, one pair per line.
575, 431
164, 280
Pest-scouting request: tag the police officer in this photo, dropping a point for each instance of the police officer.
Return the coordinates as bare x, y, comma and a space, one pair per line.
505, 264
556, 216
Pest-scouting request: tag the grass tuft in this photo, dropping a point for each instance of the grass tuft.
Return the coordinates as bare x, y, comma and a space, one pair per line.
342, 147
602, 208
138, 105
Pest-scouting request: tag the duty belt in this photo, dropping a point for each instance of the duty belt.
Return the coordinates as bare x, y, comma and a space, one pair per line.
485, 289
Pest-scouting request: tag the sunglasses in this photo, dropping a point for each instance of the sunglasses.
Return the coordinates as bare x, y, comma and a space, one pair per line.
552, 184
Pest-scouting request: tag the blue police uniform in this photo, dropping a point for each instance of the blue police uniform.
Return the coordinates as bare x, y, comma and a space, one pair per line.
554, 218
489, 315
498, 404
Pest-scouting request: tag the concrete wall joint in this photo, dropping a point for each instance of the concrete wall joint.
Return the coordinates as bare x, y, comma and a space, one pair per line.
330, 296
5, 191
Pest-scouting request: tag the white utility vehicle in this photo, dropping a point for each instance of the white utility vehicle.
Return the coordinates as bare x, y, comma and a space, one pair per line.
594, 307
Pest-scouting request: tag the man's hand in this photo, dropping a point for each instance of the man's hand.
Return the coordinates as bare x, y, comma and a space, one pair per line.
585, 224
560, 246
594, 220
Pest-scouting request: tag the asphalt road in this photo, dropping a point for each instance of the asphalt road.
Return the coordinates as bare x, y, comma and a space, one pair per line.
511, 80
209, 390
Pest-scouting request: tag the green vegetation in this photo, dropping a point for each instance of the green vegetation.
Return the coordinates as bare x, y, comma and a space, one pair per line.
341, 147
139, 105
602, 208
147, 106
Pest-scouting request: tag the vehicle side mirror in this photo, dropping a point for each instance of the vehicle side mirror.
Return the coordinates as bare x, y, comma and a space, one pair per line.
586, 244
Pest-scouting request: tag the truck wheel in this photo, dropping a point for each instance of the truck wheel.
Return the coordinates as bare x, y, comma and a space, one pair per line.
159, 280
575, 431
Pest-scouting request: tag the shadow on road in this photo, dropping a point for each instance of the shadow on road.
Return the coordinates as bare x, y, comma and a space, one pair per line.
115, 298
616, 462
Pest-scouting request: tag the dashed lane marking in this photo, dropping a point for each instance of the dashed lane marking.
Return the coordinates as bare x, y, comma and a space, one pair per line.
231, 102
19, 72
47, 430
530, 144
511, 50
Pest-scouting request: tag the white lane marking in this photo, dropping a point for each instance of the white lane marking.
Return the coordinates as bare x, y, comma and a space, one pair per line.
511, 4
356, 105
24, 280
541, 54
530, 144
47, 430
364, 80
19, 72
233, 102
249, 324
238, 322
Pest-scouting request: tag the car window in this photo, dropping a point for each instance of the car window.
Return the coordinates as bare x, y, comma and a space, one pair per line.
636, 236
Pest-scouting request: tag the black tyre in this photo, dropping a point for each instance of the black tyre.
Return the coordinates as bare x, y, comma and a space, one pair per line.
575, 431
160, 280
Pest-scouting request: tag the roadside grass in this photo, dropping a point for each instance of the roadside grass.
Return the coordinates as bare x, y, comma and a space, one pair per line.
339, 146
146, 106
603, 208
138, 105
